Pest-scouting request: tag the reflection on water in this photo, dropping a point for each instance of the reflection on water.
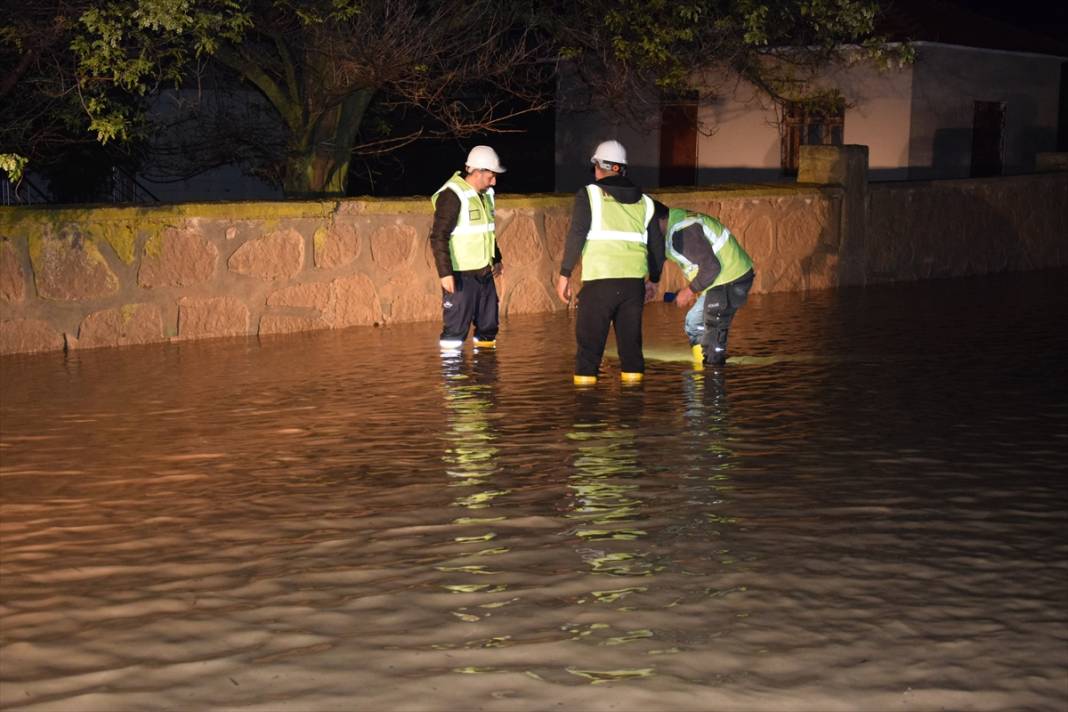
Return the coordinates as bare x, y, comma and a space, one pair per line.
471, 459
863, 510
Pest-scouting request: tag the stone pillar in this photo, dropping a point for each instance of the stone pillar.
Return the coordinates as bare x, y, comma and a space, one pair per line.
847, 167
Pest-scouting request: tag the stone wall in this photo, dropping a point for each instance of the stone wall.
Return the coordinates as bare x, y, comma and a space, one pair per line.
83, 278
962, 227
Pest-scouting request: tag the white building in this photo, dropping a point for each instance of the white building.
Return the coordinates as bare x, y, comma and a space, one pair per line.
955, 112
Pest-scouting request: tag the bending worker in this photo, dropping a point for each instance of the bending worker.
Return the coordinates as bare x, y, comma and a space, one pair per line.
719, 273
466, 255
621, 246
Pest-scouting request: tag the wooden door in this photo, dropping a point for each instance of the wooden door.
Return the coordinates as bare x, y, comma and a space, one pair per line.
678, 144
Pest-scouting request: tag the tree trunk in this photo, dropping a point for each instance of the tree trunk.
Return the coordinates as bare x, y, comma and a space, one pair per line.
319, 164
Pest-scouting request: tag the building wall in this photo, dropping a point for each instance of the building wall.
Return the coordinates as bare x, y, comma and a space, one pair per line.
745, 143
916, 120
948, 80
741, 140
877, 115
83, 278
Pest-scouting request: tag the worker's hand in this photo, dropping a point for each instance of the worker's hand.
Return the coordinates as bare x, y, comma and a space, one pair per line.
685, 297
650, 291
448, 284
563, 289
498, 269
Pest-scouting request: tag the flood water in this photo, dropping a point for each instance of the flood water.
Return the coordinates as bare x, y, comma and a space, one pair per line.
864, 510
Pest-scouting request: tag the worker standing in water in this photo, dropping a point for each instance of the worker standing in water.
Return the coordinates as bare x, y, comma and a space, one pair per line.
621, 245
464, 243
719, 275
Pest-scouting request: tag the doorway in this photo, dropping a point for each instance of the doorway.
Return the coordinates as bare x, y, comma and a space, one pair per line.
988, 128
678, 143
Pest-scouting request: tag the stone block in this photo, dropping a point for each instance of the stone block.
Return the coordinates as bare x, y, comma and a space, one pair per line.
556, 227
415, 306
520, 242
355, 302
1051, 161
131, 324
288, 324
392, 245
20, 336
278, 255
177, 258
833, 165
336, 245
219, 316
757, 238
734, 214
317, 295
122, 236
786, 275
528, 296
502, 218
68, 267
408, 301
428, 258
12, 277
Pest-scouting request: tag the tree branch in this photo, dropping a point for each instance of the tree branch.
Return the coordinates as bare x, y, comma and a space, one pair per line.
289, 110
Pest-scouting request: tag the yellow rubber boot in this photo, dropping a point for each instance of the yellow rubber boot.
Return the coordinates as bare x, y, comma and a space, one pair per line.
698, 357
485, 344
585, 380
631, 376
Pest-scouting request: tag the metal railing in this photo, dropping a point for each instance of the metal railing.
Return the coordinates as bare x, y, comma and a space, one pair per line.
25, 192
127, 189
124, 188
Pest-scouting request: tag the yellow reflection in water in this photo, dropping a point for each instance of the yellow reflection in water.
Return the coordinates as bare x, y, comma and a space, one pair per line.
707, 417
471, 455
471, 463
604, 481
597, 677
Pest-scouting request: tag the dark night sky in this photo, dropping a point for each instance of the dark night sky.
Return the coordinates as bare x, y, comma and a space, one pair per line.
1049, 17
1017, 25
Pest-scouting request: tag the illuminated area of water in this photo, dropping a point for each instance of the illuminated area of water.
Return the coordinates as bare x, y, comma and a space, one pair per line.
864, 510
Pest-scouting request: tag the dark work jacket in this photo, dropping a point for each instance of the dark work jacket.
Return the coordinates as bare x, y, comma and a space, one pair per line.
691, 243
446, 213
620, 188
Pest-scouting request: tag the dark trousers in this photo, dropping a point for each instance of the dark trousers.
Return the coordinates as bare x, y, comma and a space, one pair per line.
721, 304
473, 301
610, 302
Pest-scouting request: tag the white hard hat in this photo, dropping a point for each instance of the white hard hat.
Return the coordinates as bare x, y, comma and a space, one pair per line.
610, 152
484, 157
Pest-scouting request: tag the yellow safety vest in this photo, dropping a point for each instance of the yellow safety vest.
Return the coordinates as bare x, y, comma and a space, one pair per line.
617, 243
473, 242
733, 260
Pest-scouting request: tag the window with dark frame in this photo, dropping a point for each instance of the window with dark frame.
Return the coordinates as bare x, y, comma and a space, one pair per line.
805, 124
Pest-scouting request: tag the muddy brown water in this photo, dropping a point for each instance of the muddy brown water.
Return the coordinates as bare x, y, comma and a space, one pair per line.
865, 510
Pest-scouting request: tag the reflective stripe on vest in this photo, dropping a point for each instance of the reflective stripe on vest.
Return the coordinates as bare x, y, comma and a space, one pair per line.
473, 242
616, 244
733, 260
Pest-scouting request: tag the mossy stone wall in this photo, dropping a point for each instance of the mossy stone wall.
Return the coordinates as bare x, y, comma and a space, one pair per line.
111, 276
